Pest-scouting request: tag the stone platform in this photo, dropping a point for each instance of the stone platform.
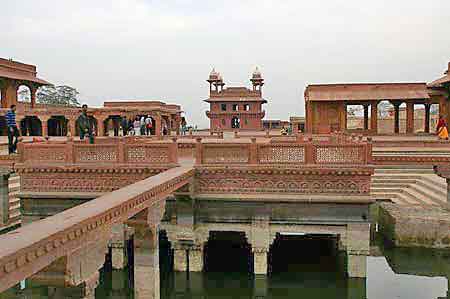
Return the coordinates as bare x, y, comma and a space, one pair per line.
415, 225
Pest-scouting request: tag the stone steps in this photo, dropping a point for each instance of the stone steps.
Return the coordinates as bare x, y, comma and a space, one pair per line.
409, 186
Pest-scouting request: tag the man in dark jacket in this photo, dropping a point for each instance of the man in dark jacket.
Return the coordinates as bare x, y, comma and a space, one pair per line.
84, 124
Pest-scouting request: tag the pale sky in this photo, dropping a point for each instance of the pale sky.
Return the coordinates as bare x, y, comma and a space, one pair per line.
165, 49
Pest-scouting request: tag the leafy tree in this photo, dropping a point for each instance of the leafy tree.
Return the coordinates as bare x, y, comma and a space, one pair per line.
58, 95
24, 94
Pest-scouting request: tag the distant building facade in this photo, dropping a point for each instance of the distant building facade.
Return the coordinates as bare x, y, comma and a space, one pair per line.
235, 108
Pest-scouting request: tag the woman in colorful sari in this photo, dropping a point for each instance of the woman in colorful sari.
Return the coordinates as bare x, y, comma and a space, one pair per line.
442, 128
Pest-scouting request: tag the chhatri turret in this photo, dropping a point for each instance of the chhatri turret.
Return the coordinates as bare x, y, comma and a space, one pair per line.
235, 108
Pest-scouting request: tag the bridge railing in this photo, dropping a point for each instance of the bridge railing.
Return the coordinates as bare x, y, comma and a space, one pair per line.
29, 249
120, 151
298, 152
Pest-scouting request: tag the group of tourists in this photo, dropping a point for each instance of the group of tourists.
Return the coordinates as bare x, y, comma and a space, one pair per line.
137, 126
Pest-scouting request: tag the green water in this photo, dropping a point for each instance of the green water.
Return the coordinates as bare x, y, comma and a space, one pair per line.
395, 273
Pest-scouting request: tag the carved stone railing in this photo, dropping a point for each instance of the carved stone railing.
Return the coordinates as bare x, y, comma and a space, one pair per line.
112, 151
29, 249
285, 151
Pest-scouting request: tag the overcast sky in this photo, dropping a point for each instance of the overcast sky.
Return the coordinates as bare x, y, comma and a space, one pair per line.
165, 49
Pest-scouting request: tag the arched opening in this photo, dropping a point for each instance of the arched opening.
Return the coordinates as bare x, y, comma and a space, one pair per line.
112, 125
57, 125
234, 246
304, 253
355, 117
3, 126
235, 122
31, 126
165, 125
24, 94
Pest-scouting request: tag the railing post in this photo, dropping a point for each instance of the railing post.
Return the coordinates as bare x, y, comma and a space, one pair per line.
121, 148
309, 151
198, 151
70, 148
267, 133
253, 154
174, 150
236, 134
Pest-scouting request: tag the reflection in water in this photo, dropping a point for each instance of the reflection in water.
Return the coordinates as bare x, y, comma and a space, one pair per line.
298, 271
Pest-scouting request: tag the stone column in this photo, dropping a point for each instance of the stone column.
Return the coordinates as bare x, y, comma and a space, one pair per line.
158, 125
44, 123
11, 93
374, 117
72, 126
409, 118
358, 240
101, 127
89, 287
118, 246
146, 263
196, 258
396, 117
366, 116
33, 90
427, 118
260, 240
260, 260
3, 95
179, 258
4, 198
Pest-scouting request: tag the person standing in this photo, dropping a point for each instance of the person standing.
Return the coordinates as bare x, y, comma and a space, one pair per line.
142, 123
148, 125
84, 125
183, 126
137, 126
442, 128
124, 124
13, 132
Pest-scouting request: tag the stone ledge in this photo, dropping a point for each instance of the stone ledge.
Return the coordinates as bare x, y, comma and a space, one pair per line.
415, 226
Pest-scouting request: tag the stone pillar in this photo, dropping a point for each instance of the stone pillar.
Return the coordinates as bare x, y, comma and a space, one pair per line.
10, 93
33, 90
101, 127
4, 198
44, 123
146, 263
158, 125
366, 116
374, 117
409, 118
3, 95
260, 260
118, 246
89, 287
358, 240
396, 117
179, 259
196, 259
72, 126
260, 240
427, 117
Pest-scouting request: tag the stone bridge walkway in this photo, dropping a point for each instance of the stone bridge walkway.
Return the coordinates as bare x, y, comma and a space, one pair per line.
31, 248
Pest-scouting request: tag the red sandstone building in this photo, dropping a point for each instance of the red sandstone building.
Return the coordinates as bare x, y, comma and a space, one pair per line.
52, 120
326, 104
235, 108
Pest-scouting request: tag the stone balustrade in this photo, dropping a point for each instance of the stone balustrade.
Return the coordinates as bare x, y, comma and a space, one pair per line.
285, 151
29, 249
111, 150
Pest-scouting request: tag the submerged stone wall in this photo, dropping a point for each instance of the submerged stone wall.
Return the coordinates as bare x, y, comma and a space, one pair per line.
415, 226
